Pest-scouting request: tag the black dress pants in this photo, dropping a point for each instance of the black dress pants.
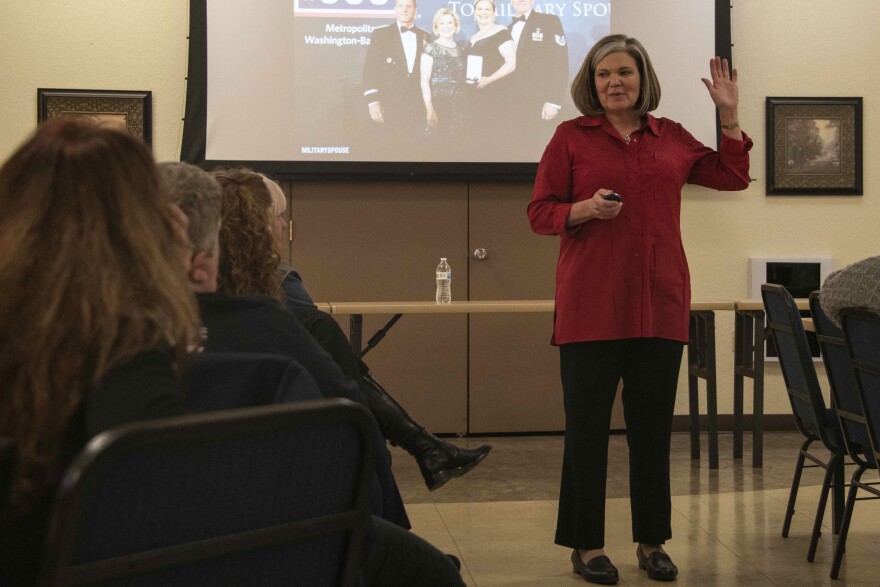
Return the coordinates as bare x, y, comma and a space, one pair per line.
591, 371
402, 559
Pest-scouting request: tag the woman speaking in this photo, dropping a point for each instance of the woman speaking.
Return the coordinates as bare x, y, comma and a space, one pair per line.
622, 285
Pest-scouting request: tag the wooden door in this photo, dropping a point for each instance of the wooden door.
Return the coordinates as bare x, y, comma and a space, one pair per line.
513, 370
382, 241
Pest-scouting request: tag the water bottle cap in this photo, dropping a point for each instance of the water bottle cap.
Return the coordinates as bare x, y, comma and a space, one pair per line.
442, 258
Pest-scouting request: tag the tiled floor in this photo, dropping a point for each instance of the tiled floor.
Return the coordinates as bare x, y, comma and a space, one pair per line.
500, 518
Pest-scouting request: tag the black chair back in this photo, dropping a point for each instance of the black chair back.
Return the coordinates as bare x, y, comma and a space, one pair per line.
273, 495
862, 332
7, 465
222, 381
813, 419
841, 378
796, 362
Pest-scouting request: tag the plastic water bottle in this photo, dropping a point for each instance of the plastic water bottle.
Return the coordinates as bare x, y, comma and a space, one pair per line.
444, 282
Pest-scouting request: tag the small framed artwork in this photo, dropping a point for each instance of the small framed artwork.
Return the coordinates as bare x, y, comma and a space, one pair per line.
814, 146
124, 110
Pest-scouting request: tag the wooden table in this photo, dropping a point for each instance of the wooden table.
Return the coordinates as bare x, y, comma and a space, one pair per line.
701, 365
398, 309
701, 349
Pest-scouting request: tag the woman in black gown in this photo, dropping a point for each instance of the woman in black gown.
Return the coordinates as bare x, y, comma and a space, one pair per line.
493, 45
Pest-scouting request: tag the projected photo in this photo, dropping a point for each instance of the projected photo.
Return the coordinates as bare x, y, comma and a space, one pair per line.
392, 80
463, 89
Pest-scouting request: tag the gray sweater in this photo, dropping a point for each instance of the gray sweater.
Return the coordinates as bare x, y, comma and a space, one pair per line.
855, 286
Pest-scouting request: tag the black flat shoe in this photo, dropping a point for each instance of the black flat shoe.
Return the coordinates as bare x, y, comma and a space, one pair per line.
598, 570
658, 564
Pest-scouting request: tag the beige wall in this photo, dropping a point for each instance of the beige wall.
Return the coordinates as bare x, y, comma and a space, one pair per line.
782, 48
786, 48
93, 45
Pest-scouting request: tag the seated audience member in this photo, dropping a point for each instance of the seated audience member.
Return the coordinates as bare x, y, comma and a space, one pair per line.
259, 324
254, 324
95, 313
854, 286
251, 265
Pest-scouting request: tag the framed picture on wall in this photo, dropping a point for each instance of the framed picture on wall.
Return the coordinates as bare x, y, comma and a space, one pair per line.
814, 146
129, 111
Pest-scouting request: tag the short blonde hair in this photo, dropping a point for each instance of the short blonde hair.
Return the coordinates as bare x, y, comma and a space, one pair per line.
440, 14
279, 202
583, 88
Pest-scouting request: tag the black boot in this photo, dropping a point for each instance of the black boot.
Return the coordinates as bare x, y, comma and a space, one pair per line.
439, 461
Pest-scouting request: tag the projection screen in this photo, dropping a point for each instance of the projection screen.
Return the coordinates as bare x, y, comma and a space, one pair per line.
286, 86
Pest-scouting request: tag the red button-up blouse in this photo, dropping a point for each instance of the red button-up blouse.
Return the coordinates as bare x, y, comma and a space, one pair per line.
626, 277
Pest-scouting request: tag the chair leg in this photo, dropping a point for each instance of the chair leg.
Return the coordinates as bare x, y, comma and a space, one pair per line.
844, 524
795, 483
838, 491
694, 408
820, 511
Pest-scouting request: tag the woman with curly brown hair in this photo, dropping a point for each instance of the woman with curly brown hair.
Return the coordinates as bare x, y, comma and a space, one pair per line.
235, 322
95, 313
248, 261
251, 236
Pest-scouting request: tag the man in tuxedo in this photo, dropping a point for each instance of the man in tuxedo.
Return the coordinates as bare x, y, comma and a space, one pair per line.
392, 78
541, 75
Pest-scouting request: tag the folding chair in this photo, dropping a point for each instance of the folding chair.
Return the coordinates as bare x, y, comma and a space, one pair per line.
861, 329
7, 462
222, 381
812, 418
270, 496
841, 379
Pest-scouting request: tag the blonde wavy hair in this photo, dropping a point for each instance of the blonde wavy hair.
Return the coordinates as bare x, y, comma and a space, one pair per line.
91, 277
248, 260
